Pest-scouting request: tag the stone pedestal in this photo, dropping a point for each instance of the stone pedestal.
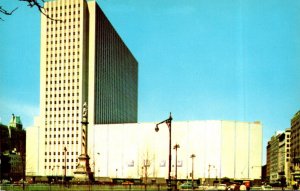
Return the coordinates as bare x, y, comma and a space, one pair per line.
83, 170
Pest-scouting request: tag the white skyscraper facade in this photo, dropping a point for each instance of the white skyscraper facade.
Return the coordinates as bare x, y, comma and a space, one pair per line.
83, 60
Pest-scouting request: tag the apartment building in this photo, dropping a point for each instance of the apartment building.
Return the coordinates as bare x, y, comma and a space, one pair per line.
279, 157
295, 146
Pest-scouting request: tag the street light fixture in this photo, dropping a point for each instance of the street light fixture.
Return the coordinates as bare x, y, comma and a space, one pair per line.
176, 146
192, 157
169, 124
94, 163
65, 170
98, 164
209, 166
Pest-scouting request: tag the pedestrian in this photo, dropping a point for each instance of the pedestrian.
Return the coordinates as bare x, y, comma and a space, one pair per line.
295, 185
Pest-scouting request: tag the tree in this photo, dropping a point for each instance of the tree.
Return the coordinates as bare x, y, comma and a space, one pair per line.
146, 162
30, 3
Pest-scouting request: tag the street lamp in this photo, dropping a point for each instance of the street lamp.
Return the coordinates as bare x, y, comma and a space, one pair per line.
177, 146
52, 177
94, 163
192, 157
169, 124
65, 170
98, 165
209, 172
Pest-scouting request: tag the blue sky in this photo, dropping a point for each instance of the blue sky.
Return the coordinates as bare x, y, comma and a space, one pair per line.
199, 59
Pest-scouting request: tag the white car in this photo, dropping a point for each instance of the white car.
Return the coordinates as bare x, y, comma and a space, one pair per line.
221, 187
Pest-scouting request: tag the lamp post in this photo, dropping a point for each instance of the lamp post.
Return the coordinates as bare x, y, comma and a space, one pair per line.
94, 163
169, 124
52, 177
209, 172
176, 146
192, 157
65, 170
98, 166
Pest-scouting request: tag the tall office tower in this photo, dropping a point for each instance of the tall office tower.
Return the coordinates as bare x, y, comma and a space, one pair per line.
112, 73
83, 60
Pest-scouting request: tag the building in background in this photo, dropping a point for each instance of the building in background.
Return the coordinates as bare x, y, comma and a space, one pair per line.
4, 141
284, 161
295, 146
83, 60
278, 158
34, 145
12, 150
4, 149
264, 174
287, 153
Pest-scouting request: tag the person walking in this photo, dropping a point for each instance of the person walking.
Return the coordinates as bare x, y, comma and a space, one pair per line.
295, 185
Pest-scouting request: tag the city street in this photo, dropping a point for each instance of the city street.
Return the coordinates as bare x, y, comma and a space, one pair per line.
47, 187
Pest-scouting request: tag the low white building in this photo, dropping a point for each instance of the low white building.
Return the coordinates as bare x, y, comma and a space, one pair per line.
222, 148
34, 148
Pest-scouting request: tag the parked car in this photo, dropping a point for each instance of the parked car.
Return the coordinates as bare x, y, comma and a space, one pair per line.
266, 187
186, 185
222, 187
4, 181
127, 183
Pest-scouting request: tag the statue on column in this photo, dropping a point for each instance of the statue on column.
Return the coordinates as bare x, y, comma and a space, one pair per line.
83, 170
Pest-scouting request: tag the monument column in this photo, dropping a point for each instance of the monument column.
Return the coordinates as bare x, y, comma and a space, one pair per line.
83, 170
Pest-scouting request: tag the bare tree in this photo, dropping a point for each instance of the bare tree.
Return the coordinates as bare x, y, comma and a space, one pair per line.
5, 12
31, 3
146, 163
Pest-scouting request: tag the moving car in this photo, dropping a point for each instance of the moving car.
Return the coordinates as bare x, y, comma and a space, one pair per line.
186, 185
